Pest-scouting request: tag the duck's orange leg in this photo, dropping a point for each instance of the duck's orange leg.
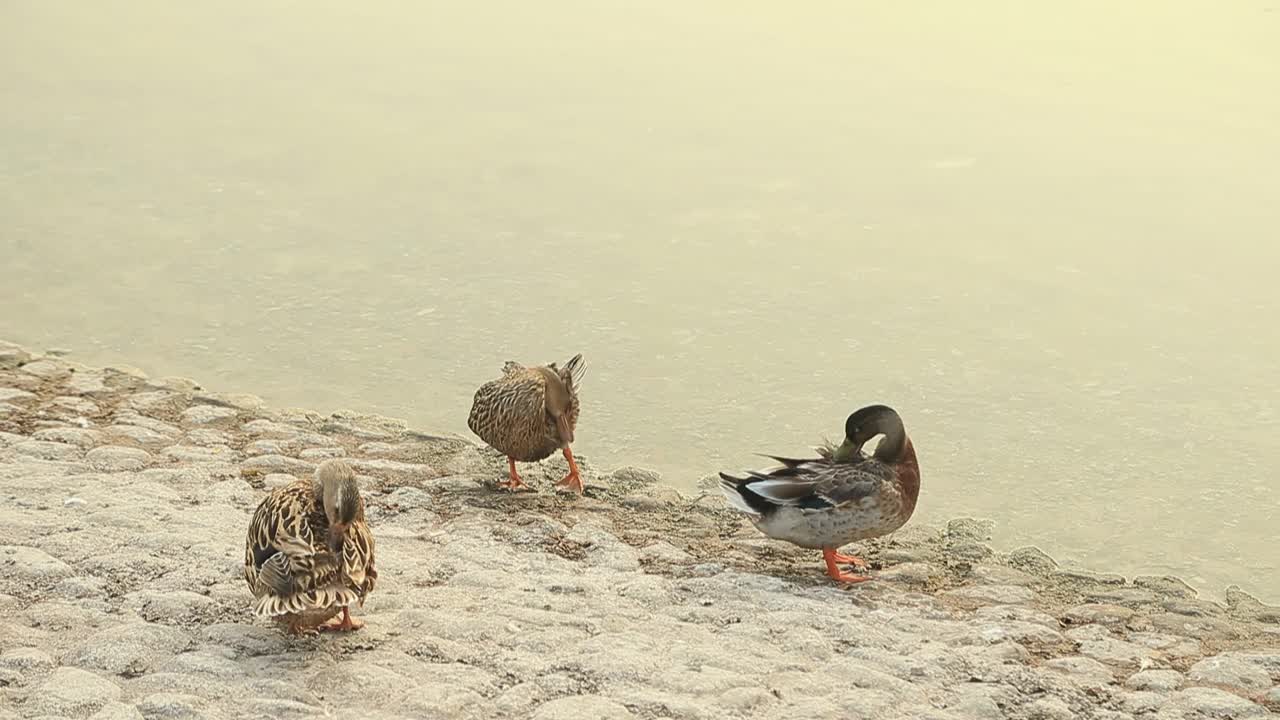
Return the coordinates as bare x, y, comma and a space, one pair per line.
835, 573
345, 624
515, 482
573, 480
853, 560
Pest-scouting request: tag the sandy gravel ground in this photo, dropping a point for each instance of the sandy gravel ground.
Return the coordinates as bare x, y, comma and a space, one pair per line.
125, 502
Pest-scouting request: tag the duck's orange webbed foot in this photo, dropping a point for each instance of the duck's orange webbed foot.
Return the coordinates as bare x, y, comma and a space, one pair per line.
515, 483
853, 560
344, 624
573, 480
834, 572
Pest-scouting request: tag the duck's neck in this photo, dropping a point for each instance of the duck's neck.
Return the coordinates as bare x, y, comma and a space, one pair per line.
908, 469
893, 446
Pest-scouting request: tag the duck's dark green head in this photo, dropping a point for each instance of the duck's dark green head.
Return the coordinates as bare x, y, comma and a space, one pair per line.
865, 424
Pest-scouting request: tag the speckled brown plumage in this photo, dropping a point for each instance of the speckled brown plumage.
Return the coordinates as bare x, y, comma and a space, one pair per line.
529, 413
300, 573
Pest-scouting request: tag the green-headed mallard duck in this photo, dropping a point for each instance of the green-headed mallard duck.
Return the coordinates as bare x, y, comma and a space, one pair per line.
829, 501
529, 413
309, 554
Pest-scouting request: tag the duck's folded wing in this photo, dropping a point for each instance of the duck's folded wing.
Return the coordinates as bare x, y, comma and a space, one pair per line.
816, 486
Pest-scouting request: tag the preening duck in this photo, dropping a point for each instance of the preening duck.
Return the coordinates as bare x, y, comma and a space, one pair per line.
837, 498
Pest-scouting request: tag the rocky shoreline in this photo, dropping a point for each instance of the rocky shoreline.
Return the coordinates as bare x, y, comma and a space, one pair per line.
126, 498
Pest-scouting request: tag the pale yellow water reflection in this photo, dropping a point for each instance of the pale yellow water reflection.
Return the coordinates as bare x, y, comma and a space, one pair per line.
1046, 233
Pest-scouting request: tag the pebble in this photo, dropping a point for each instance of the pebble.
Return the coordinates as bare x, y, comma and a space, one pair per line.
1231, 670
45, 450
208, 415
1155, 680
110, 458
1142, 701
72, 693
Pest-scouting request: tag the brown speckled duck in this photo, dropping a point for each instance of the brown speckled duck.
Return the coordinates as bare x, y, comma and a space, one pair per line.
844, 495
529, 413
309, 553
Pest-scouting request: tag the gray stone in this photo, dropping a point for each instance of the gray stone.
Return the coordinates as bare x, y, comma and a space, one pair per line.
272, 446
162, 706
87, 383
208, 437
1212, 703
72, 693
320, 454
1231, 670
31, 565
12, 356
237, 401
117, 711
47, 368
394, 470
209, 415
44, 450
275, 480
14, 395
992, 594
582, 707
80, 437
196, 454
1097, 643
75, 404
1155, 680
132, 648
26, 662
1142, 701
143, 436
279, 464
1049, 709
271, 428
1100, 613
110, 458
124, 377
665, 552
1087, 671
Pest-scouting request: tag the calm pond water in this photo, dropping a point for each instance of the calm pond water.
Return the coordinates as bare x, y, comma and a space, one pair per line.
1048, 235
